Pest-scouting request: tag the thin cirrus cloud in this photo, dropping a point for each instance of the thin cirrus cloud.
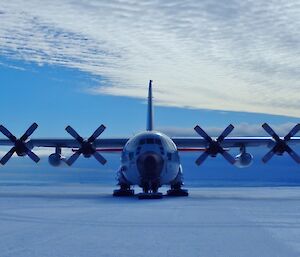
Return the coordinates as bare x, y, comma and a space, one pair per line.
231, 55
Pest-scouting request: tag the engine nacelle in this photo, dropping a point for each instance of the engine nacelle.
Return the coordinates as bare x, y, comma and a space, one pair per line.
243, 160
56, 159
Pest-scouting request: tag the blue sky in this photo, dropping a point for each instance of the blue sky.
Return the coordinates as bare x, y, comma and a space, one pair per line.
84, 63
56, 96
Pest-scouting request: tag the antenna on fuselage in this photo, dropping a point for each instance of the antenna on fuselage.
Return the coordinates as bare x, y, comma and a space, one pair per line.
150, 108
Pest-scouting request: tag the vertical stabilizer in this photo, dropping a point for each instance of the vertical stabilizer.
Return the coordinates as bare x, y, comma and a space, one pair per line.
150, 108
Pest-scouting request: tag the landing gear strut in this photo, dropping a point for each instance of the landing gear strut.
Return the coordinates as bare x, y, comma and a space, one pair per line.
176, 190
150, 191
123, 191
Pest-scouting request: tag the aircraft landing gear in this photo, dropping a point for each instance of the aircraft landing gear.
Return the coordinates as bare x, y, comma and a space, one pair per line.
150, 195
150, 191
176, 190
123, 191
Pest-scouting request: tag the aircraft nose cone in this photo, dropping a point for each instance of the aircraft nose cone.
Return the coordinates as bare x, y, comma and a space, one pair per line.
150, 166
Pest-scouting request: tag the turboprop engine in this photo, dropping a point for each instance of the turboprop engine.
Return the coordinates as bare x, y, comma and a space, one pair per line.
56, 159
243, 159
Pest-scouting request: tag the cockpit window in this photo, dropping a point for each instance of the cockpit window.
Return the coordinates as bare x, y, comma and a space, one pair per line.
150, 141
158, 141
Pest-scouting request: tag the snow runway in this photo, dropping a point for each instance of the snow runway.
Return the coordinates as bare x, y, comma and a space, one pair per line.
85, 220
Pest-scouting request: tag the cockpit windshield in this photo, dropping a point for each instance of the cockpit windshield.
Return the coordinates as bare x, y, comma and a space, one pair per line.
150, 141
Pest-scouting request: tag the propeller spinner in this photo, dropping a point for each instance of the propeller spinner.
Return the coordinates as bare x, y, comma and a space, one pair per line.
20, 147
281, 145
214, 146
87, 148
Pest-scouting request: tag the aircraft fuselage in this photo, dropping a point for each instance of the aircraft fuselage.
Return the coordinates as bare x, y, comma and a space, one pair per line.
150, 159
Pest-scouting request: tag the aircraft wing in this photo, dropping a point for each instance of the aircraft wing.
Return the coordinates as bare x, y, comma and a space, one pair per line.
221, 144
75, 142
92, 146
72, 143
224, 141
6, 142
88, 147
69, 143
229, 142
181, 142
109, 145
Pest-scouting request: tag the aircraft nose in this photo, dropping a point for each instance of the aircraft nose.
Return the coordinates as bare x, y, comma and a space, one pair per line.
150, 165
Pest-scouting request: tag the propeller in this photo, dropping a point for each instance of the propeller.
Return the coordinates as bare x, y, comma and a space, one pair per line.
281, 145
20, 147
87, 148
214, 145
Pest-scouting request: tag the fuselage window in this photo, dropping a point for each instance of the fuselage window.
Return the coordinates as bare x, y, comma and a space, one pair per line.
142, 141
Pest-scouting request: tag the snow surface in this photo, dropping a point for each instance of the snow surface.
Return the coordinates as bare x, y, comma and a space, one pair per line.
85, 220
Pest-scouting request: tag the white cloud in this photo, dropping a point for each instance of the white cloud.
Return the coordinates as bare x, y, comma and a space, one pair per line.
232, 55
243, 129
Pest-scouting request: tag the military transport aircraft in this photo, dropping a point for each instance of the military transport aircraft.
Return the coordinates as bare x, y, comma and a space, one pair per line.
151, 159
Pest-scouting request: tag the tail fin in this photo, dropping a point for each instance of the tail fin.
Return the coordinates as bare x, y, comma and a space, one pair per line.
150, 108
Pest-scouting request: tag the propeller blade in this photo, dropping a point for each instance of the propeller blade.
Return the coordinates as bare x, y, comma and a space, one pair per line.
97, 133
99, 158
33, 156
74, 134
203, 134
293, 154
7, 156
228, 157
29, 131
202, 158
268, 156
292, 133
270, 131
7, 133
73, 158
225, 133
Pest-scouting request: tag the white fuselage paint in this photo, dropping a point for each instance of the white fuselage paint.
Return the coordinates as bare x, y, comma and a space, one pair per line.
150, 142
